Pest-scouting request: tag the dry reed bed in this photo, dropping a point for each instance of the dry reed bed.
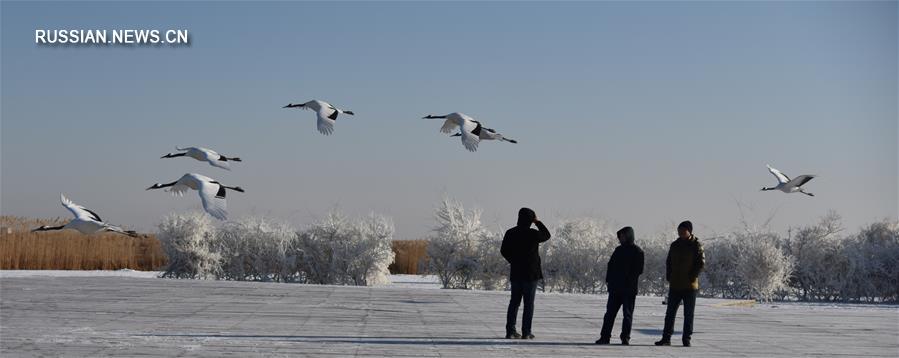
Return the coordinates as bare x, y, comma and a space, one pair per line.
71, 250
411, 257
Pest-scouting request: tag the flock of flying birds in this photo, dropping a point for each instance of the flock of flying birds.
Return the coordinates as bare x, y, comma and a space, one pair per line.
212, 192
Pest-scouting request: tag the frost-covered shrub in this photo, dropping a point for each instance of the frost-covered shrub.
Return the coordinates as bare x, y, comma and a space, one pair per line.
257, 249
335, 250
453, 246
339, 250
655, 251
820, 264
575, 259
462, 253
323, 247
762, 267
492, 269
373, 250
859, 267
873, 256
188, 241
747, 264
720, 274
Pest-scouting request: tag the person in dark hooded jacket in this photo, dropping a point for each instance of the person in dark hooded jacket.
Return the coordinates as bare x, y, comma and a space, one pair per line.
521, 249
622, 277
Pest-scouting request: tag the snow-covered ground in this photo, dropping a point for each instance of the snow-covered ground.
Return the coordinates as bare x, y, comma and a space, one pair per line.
432, 282
78, 273
126, 313
396, 281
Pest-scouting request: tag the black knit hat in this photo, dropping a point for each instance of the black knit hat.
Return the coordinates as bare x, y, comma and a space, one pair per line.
686, 224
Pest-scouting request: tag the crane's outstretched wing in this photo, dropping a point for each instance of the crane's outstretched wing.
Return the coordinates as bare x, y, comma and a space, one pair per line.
179, 189
449, 125
219, 163
471, 135
214, 158
800, 180
781, 177
213, 197
79, 211
325, 122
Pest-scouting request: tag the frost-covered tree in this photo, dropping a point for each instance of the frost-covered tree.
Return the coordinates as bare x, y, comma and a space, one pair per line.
575, 258
873, 256
655, 251
334, 250
720, 276
188, 241
745, 264
323, 247
257, 249
761, 266
492, 269
372, 250
462, 252
339, 250
820, 264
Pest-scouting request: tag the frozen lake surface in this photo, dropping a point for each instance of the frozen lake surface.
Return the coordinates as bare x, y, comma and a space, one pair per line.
122, 313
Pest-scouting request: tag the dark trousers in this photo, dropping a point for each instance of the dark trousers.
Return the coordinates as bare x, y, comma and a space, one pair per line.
616, 301
526, 290
674, 299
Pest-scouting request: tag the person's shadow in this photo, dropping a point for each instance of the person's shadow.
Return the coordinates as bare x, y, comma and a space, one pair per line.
658, 332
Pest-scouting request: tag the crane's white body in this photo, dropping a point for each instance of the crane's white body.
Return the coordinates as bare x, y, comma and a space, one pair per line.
470, 130
325, 113
465, 124
86, 221
787, 185
212, 193
204, 155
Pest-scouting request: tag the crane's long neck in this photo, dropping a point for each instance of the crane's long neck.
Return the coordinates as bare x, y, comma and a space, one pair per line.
160, 186
173, 155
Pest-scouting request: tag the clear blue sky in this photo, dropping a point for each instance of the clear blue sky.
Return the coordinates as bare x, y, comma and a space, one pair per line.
641, 113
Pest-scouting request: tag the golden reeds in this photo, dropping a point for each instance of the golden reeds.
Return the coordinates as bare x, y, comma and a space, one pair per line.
411, 257
21, 249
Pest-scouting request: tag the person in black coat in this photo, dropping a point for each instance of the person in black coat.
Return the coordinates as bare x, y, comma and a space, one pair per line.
520, 249
622, 277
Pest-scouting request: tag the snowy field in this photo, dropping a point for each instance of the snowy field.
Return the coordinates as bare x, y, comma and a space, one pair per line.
130, 313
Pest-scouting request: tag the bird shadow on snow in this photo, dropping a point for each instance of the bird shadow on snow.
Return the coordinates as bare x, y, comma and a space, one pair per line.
472, 341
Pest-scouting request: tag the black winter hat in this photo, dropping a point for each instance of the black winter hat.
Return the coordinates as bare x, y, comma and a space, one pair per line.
686, 224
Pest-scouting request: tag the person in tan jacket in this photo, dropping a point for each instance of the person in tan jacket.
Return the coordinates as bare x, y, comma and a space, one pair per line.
682, 267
